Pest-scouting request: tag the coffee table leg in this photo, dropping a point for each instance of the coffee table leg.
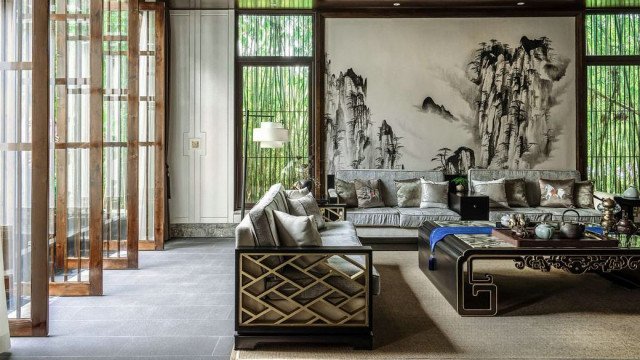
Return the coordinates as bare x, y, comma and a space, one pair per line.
477, 294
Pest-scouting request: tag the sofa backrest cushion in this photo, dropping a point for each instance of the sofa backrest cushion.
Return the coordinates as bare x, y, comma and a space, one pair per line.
261, 216
530, 177
387, 178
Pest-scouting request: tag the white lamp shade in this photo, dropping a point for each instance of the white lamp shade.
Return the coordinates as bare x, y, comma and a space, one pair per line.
271, 135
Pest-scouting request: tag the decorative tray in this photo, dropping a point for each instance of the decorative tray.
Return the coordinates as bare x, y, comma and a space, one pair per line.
590, 240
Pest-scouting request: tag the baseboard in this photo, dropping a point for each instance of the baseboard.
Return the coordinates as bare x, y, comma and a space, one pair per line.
202, 230
250, 342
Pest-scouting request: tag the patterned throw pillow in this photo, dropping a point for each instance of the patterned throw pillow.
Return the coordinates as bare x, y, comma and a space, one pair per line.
434, 194
583, 194
368, 193
556, 193
306, 206
494, 189
346, 193
516, 190
408, 192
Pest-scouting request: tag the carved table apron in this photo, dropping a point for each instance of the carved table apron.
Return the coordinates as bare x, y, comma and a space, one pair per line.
477, 294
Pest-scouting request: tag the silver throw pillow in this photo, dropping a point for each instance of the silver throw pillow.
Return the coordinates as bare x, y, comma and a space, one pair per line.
346, 193
434, 194
583, 194
368, 193
297, 231
556, 193
408, 193
494, 189
306, 206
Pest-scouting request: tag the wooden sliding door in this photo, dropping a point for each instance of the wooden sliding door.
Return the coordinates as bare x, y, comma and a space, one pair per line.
24, 152
77, 122
120, 236
151, 133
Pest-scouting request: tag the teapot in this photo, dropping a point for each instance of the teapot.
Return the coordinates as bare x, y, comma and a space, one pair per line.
571, 229
545, 231
625, 226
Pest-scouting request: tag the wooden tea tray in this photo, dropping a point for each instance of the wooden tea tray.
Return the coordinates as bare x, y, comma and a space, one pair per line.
591, 240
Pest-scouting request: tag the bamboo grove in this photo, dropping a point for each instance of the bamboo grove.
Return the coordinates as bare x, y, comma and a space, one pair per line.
613, 96
276, 92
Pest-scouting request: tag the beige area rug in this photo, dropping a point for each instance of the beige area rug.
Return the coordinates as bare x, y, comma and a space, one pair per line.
548, 316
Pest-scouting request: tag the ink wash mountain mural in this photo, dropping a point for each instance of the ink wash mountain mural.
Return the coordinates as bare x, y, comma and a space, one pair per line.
450, 94
515, 96
349, 129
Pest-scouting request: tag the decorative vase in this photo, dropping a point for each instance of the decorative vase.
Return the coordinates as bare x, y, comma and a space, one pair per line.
608, 209
504, 220
631, 193
545, 231
460, 189
625, 226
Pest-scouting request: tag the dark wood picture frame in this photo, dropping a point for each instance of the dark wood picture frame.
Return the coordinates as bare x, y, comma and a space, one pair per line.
576, 12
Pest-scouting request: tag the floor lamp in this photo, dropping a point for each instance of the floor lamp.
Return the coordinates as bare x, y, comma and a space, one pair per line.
270, 135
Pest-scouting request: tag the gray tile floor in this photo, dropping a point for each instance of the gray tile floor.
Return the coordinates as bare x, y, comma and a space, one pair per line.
178, 305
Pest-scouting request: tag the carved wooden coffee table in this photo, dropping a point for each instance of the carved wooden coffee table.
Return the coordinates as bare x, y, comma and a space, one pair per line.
476, 294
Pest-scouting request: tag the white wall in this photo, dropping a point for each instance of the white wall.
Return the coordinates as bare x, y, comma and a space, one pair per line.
201, 116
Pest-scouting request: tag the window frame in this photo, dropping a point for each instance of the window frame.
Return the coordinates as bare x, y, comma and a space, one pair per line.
597, 60
269, 61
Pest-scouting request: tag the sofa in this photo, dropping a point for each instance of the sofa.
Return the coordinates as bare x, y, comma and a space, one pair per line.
301, 294
535, 212
391, 227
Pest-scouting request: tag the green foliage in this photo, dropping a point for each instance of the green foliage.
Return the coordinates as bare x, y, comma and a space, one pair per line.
278, 93
282, 94
613, 96
613, 34
612, 3
460, 180
277, 4
275, 35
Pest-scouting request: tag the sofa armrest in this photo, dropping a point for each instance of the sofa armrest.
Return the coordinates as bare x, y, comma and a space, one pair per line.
279, 294
333, 212
348, 250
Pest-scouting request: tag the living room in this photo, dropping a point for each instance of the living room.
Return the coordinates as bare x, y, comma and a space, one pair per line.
328, 179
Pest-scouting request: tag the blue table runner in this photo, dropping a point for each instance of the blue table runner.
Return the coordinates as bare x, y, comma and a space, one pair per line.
440, 233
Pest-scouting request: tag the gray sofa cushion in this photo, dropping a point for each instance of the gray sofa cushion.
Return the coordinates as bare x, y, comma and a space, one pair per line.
408, 193
387, 177
262, 221
339, 233
261, 216
343, 233
531, 178
414, 217
306, 206
586, 215
534, 214
386, 216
